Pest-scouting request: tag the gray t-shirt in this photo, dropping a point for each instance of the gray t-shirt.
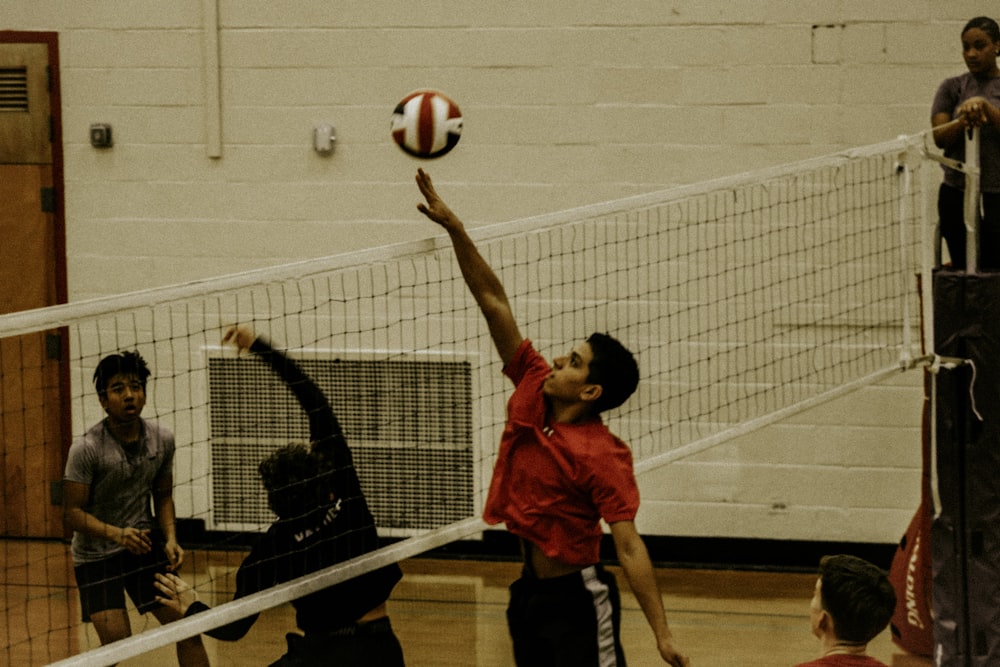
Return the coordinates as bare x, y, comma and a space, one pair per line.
121, 480
950, 94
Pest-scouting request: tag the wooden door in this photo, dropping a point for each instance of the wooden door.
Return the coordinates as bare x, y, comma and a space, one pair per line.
32, 275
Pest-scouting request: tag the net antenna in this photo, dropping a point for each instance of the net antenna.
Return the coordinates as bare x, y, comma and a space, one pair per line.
746, 299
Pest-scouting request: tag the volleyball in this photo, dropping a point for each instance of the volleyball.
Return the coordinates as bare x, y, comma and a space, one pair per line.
426, 124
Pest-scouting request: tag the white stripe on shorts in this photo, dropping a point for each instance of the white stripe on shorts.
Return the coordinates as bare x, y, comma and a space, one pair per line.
606, 656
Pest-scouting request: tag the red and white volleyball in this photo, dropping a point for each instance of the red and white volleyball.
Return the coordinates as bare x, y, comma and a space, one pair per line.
426, 124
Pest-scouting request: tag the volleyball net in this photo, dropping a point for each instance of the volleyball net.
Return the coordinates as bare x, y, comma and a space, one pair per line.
745, 299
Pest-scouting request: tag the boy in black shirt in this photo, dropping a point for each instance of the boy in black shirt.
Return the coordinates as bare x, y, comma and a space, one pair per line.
323, 519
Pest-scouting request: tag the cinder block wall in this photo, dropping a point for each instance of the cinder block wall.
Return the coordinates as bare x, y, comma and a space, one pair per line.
566, 103
848, 471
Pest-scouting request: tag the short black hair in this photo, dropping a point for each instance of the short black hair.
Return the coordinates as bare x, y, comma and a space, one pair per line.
614, 368
858, 596
986, 24
296, 480
120, 363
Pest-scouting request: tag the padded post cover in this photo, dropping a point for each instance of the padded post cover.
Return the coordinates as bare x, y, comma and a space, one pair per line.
965, 535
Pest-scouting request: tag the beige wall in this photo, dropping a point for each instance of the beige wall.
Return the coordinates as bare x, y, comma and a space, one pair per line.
565, 103
846, 471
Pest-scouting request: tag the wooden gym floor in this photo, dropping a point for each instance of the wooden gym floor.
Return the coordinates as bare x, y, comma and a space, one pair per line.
445, 612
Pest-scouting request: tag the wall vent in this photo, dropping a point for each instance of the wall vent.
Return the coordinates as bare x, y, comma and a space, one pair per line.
13, 88
409, 423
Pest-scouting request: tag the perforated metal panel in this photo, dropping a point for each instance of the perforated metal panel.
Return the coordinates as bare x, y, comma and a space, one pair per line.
408, 422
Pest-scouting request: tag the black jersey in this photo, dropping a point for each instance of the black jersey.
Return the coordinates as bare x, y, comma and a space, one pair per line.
329, 534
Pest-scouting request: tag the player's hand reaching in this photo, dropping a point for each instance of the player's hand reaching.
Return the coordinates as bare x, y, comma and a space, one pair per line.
241, 337
177, 594
435, 208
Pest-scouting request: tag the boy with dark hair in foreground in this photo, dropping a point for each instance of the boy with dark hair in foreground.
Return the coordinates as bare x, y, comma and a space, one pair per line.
852, 604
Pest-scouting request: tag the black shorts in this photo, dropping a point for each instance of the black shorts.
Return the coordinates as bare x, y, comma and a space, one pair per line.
103, 583
371, 644
568, 621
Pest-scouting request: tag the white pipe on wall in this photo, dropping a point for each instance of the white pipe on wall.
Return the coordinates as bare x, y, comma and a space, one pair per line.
213, 102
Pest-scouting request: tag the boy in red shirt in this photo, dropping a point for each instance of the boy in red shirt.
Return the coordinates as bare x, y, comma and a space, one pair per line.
558, 473
852, 604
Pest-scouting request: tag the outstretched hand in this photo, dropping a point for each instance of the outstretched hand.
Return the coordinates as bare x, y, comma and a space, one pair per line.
177, 594
435, 208
240, 336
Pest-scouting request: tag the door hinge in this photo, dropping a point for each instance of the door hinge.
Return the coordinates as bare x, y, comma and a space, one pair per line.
48, 196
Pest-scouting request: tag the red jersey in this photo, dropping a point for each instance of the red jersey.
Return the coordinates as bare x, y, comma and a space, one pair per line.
553, 482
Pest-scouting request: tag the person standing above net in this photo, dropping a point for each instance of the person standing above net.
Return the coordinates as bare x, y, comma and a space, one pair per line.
852, 603
323, 519
558, 473
972, 99
112, 473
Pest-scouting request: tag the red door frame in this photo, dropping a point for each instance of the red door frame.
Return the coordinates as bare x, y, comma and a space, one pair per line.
51, 40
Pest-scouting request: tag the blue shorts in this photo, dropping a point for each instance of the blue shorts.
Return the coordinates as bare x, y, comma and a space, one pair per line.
103, 583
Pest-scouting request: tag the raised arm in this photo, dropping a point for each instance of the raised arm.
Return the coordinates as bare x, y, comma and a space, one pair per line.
479, 276
324, 429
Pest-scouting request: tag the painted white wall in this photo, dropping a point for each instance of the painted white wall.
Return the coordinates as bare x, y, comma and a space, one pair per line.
565, 103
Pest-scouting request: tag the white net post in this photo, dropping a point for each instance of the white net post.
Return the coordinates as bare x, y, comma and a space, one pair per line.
971, 210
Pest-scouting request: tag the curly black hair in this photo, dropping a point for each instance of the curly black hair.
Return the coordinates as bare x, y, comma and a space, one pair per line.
296, 480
